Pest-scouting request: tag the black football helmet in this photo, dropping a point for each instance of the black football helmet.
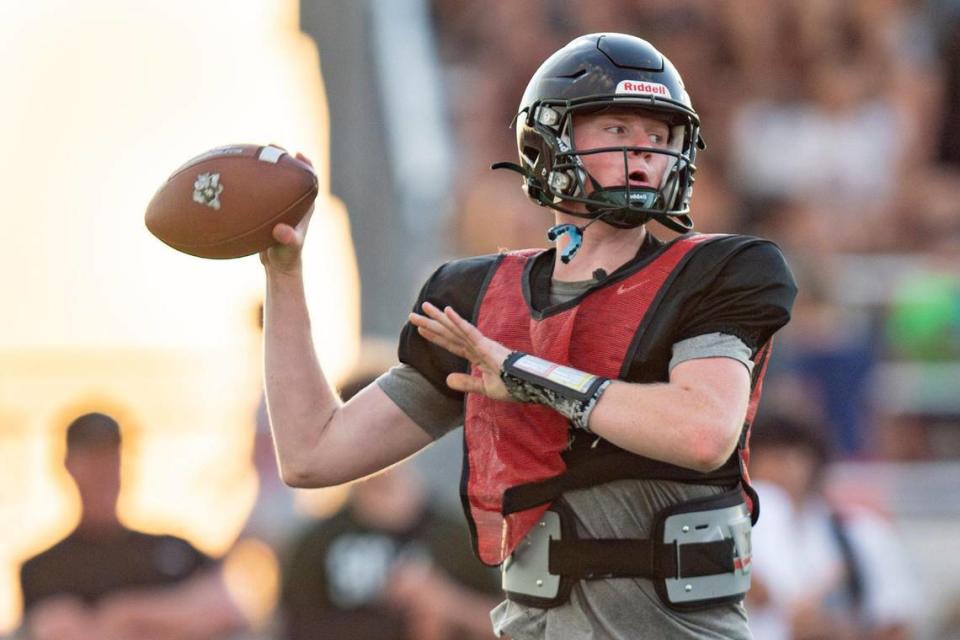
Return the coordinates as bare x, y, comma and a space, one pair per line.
592, 73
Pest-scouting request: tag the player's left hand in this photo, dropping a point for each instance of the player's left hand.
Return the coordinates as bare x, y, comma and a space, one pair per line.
448, 330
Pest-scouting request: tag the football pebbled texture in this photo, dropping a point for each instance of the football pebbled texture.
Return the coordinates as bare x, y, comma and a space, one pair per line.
224, 203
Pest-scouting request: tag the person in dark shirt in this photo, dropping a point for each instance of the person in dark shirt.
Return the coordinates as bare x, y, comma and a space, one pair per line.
387, 566
107, 581
606, 385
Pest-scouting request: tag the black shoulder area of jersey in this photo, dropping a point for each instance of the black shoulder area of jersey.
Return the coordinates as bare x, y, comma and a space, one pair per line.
459, 284
736, 284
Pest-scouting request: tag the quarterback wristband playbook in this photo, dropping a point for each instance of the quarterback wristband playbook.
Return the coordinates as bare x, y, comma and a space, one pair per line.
570, 392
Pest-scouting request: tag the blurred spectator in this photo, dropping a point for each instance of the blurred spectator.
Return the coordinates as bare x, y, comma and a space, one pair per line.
826, 361
821, 570
949, 148
388, 566
839, 146
105, 581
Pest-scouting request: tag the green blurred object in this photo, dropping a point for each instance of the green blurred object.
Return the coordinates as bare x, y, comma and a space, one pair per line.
924, 321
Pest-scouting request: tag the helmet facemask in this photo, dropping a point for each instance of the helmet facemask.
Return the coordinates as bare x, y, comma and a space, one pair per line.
560, 176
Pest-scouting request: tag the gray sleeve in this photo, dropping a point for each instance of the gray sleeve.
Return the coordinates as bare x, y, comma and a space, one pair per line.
712, 345
434, 412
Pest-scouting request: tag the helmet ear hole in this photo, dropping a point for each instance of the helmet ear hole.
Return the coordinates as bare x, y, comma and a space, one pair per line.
531, 154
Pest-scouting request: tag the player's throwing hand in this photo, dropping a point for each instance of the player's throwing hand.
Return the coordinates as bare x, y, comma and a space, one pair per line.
284, 256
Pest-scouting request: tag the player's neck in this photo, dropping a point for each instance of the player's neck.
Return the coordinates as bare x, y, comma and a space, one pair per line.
604, 247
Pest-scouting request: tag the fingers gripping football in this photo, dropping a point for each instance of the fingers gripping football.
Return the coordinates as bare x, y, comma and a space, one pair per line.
284, 256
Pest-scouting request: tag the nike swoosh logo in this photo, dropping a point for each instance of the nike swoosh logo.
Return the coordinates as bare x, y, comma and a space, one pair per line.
622, 289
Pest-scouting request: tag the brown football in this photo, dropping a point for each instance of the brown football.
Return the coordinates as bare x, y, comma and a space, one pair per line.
224, 203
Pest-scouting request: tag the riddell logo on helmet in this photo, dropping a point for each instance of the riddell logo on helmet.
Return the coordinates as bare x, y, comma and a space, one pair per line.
647, 88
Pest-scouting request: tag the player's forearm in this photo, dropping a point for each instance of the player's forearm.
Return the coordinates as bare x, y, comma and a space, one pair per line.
687, 425
299, 399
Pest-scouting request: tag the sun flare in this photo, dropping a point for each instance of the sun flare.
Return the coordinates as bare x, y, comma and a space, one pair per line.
102, 99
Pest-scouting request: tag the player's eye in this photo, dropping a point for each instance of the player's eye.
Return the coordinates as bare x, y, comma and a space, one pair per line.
617, 129
657, 138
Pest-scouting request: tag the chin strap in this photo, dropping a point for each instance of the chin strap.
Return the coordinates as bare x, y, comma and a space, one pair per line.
617, 198
680, 224
532, 183
575, 232
512, 166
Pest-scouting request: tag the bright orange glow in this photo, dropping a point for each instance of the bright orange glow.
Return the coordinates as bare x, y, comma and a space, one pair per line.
101, 100
252, 575
322, 503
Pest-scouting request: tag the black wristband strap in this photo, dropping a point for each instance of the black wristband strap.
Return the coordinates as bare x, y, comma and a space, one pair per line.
571, 392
